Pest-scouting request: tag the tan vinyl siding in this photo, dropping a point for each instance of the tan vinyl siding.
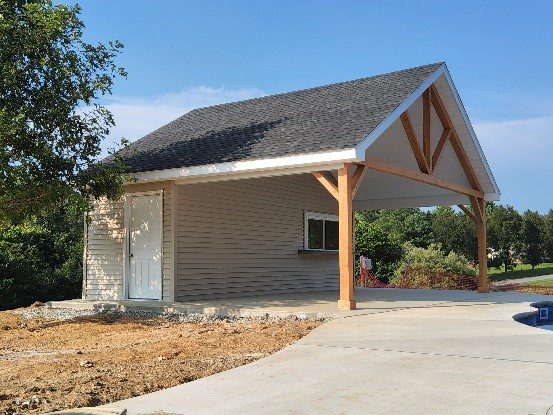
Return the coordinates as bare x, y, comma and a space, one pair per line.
104, 252
105, 239
237, 238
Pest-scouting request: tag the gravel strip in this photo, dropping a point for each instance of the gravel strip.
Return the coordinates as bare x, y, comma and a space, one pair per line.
61, 314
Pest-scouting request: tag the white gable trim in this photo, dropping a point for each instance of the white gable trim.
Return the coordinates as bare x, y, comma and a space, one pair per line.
394, 115
471, 131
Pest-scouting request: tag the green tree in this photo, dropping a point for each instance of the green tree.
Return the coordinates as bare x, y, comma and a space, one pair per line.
504, 226
41, 257
384, 248
532, 238
410, 225
51, 124
548, 234
455, 232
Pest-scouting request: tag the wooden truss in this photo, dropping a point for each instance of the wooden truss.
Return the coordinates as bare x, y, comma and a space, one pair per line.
350, 176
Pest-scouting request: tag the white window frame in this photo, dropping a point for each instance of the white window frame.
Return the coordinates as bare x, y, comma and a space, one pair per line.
317, 216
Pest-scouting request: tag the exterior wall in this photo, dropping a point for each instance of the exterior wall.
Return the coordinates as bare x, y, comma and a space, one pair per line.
239, 238
104, 248
104, 252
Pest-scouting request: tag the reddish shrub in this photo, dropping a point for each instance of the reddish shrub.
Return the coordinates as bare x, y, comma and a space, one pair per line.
434, 279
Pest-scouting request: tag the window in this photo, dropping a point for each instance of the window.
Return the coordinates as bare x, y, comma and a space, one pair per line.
321, 231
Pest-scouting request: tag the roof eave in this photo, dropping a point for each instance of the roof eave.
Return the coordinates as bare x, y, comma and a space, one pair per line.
294, 164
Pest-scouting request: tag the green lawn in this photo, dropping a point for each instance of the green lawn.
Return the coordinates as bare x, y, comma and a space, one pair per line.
542, 283
521, 271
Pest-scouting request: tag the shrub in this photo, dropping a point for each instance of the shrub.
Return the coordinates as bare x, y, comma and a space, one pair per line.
435, 258
417, 276
432, 268
383, 248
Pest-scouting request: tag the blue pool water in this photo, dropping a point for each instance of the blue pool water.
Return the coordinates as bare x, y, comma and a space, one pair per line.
541, 318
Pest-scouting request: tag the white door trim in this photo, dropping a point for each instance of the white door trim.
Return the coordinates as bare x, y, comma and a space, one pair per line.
127, 241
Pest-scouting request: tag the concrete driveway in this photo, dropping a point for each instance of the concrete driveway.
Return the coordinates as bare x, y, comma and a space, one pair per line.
403, 352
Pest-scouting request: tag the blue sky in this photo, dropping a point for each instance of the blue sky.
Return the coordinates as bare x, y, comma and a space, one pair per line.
185, 54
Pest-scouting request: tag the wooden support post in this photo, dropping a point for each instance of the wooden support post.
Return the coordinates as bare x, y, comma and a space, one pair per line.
482, 258
483, 286
345, 237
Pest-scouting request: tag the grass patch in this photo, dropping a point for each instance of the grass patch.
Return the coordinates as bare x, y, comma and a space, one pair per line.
520, 271
542, 283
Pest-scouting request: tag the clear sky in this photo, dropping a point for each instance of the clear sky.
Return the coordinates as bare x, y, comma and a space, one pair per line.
185, 54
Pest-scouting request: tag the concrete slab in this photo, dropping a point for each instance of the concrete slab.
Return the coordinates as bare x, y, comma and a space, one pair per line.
319, 304
403, 351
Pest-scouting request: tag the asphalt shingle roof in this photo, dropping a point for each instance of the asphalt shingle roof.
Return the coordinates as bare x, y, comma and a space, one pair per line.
331, 117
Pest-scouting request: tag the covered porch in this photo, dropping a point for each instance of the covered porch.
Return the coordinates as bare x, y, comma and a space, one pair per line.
419, 160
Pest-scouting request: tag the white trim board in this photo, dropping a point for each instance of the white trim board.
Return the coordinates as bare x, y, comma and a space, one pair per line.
259, 167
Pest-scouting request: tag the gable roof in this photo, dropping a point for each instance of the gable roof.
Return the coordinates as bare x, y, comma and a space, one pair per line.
326, 118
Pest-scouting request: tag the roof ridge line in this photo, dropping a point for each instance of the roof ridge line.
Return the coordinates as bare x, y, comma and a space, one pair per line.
313, 88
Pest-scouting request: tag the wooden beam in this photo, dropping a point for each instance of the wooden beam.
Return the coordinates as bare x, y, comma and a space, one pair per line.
426, 143
455, 140
328, 182
413, 141
464, 160
476, 207
345, 237
439, 107
357, 178
385, 167
440, 146
467, 212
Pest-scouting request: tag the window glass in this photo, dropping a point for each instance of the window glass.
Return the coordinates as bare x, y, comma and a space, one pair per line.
331, 235
315, 234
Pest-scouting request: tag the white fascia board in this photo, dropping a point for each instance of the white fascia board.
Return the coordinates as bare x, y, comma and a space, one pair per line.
471, 131
394, 115
252, 168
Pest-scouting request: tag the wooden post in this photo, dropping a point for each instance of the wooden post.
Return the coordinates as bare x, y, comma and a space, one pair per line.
345, 237
483, 286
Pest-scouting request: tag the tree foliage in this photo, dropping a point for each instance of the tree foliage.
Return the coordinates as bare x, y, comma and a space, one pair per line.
532, 238
384, 248
455, 232
548, 234
504, 235
51, 124
409, 225
41, 257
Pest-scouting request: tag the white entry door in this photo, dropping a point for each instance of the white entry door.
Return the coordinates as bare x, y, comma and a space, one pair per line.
145, 230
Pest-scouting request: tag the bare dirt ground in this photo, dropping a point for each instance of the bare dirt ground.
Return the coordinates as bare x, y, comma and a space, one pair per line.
50, 364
